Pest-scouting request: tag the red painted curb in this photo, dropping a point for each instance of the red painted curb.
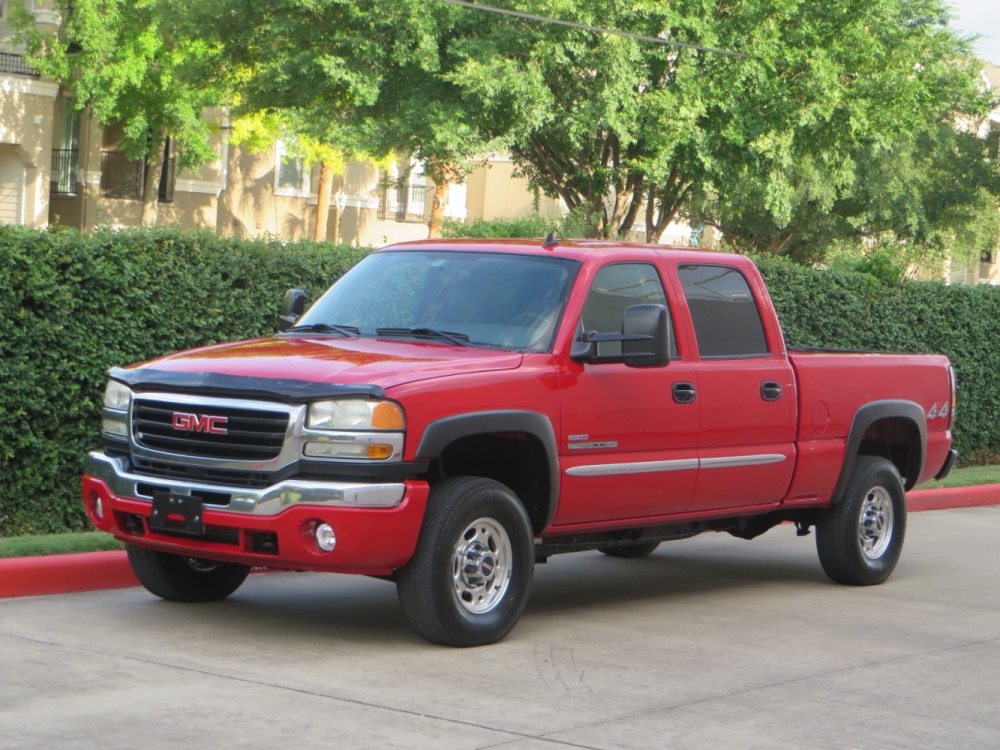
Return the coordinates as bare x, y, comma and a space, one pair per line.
953, 497
64, 574
91, 571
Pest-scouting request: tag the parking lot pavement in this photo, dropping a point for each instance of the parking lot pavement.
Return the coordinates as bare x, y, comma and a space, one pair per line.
712, 642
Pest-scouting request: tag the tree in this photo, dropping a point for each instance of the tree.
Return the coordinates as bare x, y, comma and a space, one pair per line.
137, 69
362, 76
257, 131
811, 96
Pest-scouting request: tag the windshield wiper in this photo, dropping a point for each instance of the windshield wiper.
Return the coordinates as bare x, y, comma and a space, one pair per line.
427, 333
349, 331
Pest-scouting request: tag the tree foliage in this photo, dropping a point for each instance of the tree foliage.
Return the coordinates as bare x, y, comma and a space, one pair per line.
136, 68
834, 120
140, 71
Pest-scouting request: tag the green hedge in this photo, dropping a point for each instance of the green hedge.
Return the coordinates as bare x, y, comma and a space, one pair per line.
73, 305
857, 311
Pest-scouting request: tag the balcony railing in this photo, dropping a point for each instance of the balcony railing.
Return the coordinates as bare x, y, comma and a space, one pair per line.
404, 203
64, 170
167, 178
122, 177
11, 63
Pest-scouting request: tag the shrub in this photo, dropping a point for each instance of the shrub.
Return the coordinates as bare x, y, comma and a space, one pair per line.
73, 305
858, 311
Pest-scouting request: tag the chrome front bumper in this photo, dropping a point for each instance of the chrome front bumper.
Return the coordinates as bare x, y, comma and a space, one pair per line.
267, 501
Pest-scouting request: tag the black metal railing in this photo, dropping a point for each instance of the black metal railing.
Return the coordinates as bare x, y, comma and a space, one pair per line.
168, 177
11, 63
122, 177
64, 170
404, 202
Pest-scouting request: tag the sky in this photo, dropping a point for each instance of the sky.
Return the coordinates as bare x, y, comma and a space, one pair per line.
980, 17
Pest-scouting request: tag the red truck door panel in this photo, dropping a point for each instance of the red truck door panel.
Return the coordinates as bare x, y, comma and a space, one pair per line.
746, 393
628, 449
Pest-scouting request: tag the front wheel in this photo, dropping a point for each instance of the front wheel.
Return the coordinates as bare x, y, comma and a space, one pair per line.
467, 582
184, 579
859, 540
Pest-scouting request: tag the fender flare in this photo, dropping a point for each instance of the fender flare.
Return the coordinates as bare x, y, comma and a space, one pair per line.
440, 433
868, 415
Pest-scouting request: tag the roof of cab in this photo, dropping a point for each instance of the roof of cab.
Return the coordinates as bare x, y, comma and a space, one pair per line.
577, 249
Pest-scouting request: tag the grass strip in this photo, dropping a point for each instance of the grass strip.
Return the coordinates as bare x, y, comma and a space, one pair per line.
57, 544
971, 476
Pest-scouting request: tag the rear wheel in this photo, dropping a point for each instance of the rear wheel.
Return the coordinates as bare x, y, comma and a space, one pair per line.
631, 551
859, 540
184, 579
467, 582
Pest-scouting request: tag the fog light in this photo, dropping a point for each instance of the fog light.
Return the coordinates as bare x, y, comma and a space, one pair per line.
326, 540
97, 506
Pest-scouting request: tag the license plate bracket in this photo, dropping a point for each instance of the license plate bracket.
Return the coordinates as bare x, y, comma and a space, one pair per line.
177, 514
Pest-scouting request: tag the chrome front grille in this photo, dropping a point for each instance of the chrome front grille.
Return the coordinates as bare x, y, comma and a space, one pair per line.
210, 430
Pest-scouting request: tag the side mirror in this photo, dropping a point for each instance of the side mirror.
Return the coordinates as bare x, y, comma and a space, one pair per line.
646, 336
292, 306
644, 340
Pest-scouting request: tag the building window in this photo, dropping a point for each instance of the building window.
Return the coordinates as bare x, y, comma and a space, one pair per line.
291, 178
122, 177
407, 199
66, 157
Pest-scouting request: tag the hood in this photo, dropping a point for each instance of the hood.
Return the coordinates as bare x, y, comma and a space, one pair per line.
334, 361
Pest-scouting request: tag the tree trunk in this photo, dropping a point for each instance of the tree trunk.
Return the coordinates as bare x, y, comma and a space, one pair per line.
151, 194
437, 209
323, 201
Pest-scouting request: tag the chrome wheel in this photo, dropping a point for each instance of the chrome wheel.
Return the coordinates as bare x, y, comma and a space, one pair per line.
481, 566
875, 523
860, 538
468, 580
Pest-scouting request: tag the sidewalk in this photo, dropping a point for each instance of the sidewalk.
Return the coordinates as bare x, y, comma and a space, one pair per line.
90, 571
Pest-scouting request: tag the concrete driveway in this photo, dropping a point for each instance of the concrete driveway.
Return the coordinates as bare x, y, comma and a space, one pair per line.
710, 643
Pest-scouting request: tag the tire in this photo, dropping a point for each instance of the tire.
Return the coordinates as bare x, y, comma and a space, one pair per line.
859, 540
184, 579
631, 551
468, 580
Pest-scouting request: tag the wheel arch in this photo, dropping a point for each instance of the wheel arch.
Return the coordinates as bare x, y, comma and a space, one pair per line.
895, 430
525, 436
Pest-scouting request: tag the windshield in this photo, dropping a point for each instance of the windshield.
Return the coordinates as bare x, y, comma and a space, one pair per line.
484, 299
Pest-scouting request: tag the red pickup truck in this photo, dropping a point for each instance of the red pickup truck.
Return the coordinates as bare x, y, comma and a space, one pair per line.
450, 413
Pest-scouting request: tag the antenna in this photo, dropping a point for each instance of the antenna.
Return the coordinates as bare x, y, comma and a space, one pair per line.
550, 241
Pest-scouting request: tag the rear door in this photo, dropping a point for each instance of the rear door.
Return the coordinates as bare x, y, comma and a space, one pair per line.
745, 389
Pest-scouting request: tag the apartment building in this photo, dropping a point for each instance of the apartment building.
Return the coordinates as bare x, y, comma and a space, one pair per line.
58, 167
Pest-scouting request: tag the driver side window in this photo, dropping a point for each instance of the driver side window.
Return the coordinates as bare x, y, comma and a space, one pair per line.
616, 288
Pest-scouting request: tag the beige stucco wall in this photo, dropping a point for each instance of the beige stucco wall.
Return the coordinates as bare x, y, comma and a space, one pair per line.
494, 193
26, 120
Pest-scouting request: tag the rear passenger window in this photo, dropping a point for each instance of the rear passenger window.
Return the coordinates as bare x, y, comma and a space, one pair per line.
727, 322
616, 288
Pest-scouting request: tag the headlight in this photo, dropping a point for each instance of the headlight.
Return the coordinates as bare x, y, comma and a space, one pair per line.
355, 414
117, 396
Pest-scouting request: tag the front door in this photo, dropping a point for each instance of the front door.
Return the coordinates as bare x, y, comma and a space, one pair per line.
628, 445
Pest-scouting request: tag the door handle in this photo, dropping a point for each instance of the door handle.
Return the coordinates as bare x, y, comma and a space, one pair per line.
684, 393
770, 390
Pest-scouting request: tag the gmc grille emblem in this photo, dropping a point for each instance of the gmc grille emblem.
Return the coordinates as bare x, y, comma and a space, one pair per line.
202, 423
